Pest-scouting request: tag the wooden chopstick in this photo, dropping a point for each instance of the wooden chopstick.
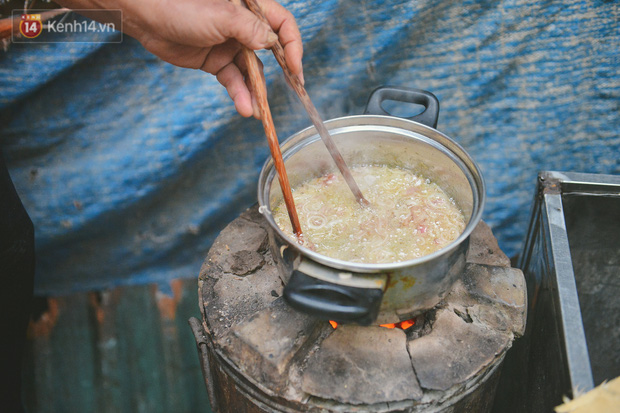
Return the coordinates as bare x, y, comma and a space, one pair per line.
260, 92
298, 87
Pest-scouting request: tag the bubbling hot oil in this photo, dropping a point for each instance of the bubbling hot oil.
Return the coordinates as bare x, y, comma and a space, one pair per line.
408, 216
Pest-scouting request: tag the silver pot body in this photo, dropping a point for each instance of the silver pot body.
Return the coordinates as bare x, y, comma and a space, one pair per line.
398, 291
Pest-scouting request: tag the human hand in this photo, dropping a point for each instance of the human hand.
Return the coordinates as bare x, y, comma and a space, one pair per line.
207, 35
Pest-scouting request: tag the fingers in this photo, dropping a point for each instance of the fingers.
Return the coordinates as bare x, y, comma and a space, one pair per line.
205, 23
231, 78
220, 55
283, 22
235, 21
231, 72
208, 33
242, 65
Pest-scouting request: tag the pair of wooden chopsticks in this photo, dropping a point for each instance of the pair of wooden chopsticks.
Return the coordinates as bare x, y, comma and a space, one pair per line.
260, 92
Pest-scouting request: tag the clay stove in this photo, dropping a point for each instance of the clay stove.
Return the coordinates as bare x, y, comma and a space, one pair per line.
260, 355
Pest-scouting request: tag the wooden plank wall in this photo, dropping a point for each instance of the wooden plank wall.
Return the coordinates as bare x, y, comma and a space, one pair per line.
129, 349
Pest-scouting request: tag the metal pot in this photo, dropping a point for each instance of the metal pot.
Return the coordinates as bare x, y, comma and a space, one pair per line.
359, 293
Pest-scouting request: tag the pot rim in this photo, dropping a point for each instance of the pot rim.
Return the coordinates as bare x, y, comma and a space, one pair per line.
472, 172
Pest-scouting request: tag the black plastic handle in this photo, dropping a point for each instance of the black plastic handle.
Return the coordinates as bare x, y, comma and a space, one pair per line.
329, 301
428, 117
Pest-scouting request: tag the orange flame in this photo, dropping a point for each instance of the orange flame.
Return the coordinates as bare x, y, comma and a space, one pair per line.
403, 325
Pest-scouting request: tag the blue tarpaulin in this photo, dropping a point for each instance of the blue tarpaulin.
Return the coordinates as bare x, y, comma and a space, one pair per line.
129, 167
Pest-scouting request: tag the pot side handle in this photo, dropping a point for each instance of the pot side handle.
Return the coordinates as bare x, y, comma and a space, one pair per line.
428, 117
329, 301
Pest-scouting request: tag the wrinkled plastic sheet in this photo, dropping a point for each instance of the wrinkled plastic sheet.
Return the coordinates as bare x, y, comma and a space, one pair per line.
129, 167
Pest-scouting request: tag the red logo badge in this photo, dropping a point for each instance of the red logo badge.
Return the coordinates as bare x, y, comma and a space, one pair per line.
30, 26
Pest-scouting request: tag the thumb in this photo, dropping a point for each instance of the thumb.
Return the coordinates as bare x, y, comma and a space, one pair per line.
241, 24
